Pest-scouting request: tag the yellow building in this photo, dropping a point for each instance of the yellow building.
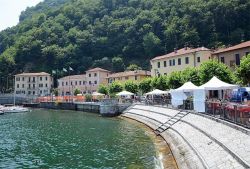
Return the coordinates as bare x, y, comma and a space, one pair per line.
136, 75
231, 56
179, 60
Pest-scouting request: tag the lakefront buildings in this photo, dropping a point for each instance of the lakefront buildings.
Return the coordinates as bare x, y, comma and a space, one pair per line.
33, 84
178, 60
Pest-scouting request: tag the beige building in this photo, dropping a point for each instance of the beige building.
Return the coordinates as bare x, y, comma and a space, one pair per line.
179, 60
231, 56
86, 83
136, 75
33, 84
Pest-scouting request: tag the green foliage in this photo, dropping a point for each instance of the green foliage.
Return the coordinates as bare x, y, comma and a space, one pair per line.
115, 87
77, 91
160, 83
103, 89
133, 67
175, 80
243, 71
88, 97
117, 64
55, 92
191, 74
214, 68
131, 86
145, 85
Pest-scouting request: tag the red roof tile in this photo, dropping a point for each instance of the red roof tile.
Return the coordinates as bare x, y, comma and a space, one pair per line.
130, 73
239, 46
33, 74
97, 69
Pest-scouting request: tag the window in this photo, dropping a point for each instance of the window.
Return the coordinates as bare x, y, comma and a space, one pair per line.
165, 63
187, 60
198, 59
41, 91
41, 78
46, 85
76, 83
126, 78
89, 75
159, 64
17, 85
95, 74
135, 77
18, 79
46, 78
71, 83
34, 79
40, 85
173, 62
90, 82
222, 60
95, 82
170, 62
34, 92
29, 79
66, 83
179, 61
23, 78
62, 83
237, 59
34, 86
29, 86
165, 74
80, 82
83, 82
22, 85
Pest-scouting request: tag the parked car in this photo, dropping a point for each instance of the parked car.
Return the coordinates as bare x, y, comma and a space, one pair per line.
239, 95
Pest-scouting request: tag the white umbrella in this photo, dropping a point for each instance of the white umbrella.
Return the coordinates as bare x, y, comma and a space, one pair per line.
187, 87
97, 94
124, 93
157, 92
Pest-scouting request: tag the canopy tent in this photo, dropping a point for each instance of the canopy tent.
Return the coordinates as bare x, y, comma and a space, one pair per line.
157, 92
97, 94
217, 84
125, 93
187, 87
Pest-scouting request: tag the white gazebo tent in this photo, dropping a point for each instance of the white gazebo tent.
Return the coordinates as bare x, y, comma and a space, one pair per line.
157, 92
124, 93
213, 84
180, 94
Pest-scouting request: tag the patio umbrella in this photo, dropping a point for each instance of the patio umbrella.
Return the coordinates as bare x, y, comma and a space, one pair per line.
124, 93
157, 92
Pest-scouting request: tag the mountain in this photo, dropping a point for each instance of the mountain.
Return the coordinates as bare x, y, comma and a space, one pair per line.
106, 33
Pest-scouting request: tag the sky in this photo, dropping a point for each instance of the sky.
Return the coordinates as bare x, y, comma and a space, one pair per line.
11, 9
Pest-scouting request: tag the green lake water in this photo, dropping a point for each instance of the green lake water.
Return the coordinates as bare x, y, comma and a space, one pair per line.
68, 139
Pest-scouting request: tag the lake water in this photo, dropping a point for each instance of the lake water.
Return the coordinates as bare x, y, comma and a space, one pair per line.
68, 139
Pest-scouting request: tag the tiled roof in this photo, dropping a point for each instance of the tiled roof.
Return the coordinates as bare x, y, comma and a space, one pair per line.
130, 73
82, 76
97, 69
180, 52
33, 74
239, 46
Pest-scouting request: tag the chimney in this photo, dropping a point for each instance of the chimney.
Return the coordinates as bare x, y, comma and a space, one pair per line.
186, 46
175, 50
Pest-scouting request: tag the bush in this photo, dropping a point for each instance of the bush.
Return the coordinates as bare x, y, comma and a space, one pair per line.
131, 86
243, 71
77, 91
88, 97
191, 74
145, 85
115, 87
175, 80
160, 83
103, 89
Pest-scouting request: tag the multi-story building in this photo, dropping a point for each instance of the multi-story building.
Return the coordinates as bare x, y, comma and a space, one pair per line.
178, 60
231, 56
136, 75
86, 83
33, 84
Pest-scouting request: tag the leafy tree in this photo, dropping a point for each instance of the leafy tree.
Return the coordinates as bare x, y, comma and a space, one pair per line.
151, 44
131, 86
191, 74
133, 67
88, 97
243, 71
103, 89
118, 64
115, 87
55, 92
77, 91
214, 68
145, 85
160, 83
175, 80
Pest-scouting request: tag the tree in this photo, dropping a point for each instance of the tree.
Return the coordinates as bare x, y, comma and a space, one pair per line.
117, 64
175, 80
55, 92
243, 71
160, 83
115, 87
145, 85
131, 86
214, 68
77, 91
133, 67
191, 74
151, 44
103, 89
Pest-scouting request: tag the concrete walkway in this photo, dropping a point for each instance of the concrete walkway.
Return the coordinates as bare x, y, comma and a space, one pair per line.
198, 141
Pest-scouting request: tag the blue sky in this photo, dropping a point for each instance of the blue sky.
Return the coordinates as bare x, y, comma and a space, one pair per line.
11, 9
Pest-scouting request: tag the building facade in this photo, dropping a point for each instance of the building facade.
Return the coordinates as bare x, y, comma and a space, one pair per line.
33, 84
231, 56
178, 60
86, 83
136, 75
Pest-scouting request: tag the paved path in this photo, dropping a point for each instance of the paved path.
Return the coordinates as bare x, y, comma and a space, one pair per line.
207, 143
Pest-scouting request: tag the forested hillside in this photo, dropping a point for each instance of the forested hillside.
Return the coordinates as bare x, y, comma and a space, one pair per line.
115, 33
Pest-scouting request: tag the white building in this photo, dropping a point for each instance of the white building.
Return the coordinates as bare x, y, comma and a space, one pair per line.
33, 84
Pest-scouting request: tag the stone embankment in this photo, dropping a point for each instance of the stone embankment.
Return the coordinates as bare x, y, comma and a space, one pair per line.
197, 141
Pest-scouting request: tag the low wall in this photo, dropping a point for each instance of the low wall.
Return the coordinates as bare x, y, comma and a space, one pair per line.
60, 106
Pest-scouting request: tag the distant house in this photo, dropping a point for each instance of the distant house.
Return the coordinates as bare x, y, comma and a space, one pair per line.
178, 60
33, 84
86, 83
136, 75
231, 56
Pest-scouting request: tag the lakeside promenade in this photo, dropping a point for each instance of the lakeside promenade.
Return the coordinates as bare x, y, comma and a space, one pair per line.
197, 141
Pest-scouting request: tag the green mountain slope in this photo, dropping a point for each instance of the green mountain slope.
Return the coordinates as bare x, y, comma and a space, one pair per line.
85, 33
